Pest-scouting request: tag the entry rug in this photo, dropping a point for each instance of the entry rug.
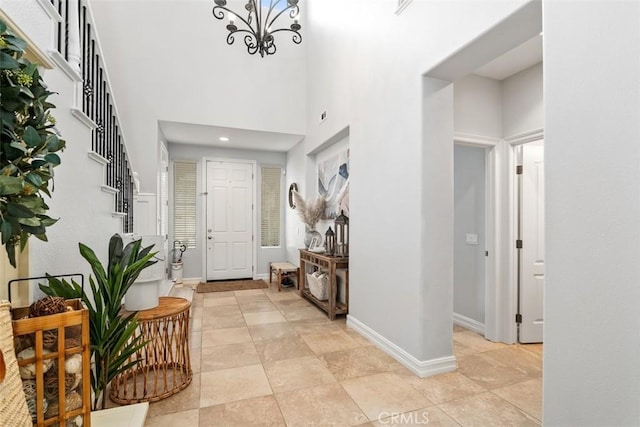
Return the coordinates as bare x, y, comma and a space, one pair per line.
231, 285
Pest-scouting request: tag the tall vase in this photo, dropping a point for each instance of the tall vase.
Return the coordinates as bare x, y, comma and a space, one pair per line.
309, 235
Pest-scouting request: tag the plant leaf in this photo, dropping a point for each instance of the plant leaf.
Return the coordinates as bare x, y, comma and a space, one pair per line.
7, 62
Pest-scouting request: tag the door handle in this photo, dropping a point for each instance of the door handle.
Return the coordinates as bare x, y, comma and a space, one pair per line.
209, 237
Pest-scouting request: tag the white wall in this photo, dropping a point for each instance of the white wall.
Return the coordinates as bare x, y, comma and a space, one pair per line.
522, 102
592, 165
192, 258
369, 80
187, 73
296, 173
84, 211
478, 106
469, 218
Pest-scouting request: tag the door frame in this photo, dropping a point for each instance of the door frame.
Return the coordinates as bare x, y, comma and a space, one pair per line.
203, 213
491, 145
514, 142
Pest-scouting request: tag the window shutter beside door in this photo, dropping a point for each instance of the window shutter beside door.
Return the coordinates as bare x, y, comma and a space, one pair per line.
270, 212
184, 203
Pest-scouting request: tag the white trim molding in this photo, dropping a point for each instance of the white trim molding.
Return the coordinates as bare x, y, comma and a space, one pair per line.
118, 214
475, 140
84, 119
62, 63
524, 137
469, 323
97, 158
422, 368
50, 10
109, 190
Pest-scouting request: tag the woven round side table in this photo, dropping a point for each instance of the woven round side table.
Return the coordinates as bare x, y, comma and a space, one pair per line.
164, 366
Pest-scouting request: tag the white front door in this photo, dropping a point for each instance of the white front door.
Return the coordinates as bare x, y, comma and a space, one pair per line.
229, 223
532, 257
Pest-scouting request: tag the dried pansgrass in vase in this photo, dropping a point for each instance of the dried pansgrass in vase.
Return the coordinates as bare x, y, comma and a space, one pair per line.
310, 212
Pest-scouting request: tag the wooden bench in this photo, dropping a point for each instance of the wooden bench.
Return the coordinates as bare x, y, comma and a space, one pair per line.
282, 269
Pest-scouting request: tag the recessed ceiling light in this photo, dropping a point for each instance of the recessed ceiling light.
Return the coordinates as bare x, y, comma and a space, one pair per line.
224, 139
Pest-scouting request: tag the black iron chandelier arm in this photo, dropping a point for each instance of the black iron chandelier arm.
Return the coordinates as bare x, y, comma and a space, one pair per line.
297, 37
294, 11
219, 14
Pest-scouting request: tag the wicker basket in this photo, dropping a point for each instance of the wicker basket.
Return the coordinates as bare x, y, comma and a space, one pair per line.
53, 362
318, 283
13, 405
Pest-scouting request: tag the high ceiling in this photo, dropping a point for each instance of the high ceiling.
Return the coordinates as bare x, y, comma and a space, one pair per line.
196, 134
522, 57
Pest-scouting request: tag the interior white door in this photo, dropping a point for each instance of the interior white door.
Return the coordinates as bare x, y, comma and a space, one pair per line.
229, 224
532, 235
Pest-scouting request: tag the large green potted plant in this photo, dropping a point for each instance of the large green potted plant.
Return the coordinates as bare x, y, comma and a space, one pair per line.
113, 338
28, 146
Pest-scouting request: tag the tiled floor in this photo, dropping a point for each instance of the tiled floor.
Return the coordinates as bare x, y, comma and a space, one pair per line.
263, 357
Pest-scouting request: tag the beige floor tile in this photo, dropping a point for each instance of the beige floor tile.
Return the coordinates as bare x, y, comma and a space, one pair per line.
214, 320
359, 362
460, 350
195, 324
487, 409
291, 303
432, 417
522, 360
259, 411
325, 405
477, 342
314, 326
225, 294
526, 395
445, 387
189, 398
230, 385
228, 356
259, 306
250, 292
219, 302
195, 356
280, 349
271, 331
360, 339
195, 339
303, 313
292, 374
225, 336
458, 328
327, 342
381, 394
221, 310
283, 296
184, 418
263, 317
491, 373
533, 348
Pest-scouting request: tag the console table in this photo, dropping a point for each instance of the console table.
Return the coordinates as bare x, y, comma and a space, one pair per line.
330, 264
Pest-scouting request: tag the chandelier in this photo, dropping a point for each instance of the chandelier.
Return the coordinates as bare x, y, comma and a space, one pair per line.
258, 25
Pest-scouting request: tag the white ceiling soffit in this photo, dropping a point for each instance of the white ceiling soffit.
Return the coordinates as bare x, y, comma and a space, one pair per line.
240, 139
522, 57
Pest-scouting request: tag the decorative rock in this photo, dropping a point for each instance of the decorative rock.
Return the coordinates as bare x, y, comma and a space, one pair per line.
29, 371
73, 365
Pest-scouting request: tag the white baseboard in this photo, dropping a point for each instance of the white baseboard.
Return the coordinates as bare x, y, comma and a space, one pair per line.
422, 368
467, 322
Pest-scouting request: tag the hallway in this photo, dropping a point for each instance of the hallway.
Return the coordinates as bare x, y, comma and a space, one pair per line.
261, 357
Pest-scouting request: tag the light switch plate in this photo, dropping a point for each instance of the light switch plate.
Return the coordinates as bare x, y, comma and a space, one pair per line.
472, 239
